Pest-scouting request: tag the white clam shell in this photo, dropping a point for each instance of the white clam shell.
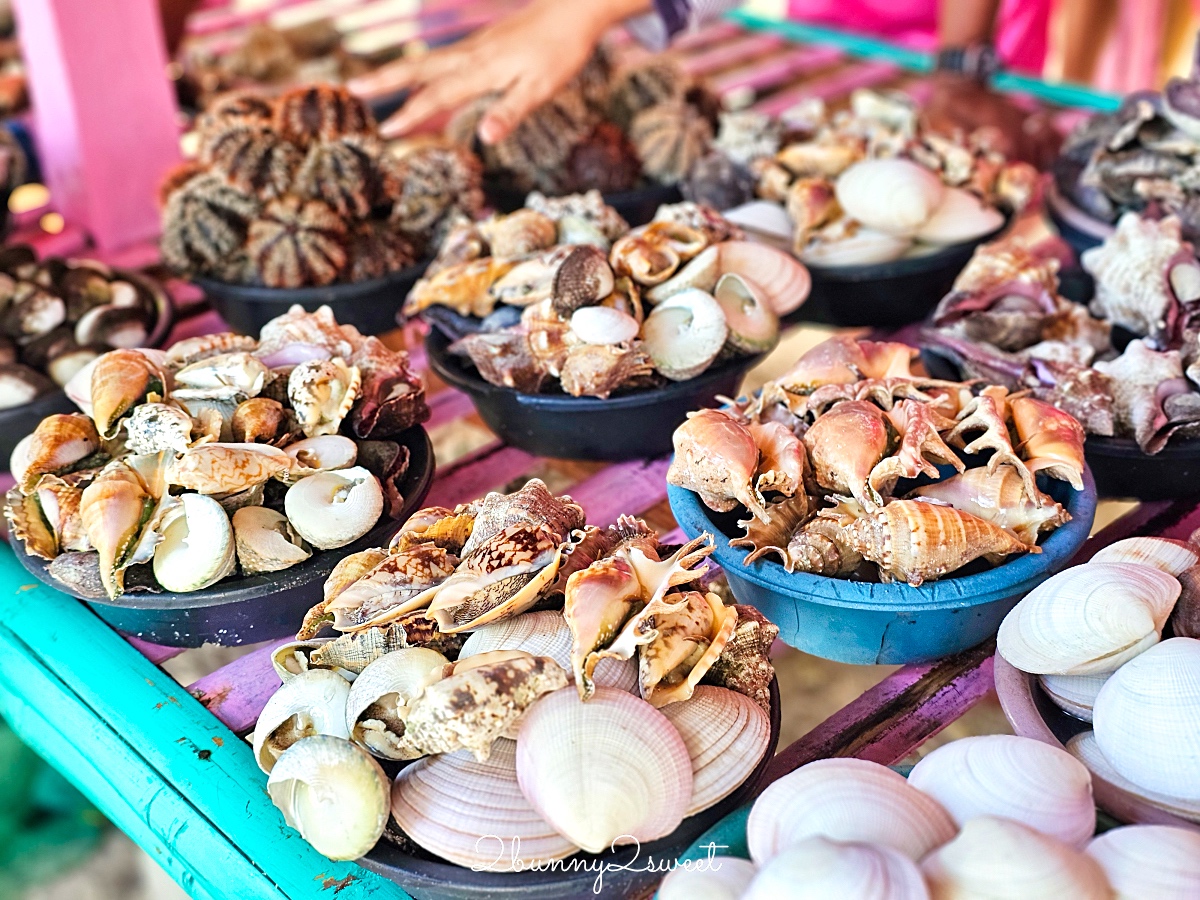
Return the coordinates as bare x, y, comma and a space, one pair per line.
960, 217
726, 734
611, 769
846, 800
999, 859
1143, 861
1012, 777
546, 633
1147, 719
331, 509
864, 247
713, 878
1088, 620
389, 684
1085, 749
197, 546
473, 813
603, 325
822, 869
895, 196
326, 451
1074, 694
684, 334
1172, 557
266, 541
333, 793
313, 702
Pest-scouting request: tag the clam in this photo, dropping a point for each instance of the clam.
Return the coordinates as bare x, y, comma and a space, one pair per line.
322, 393
716, 878
546, 633
1088, 620
266, 541
197, 548
821, 869
472, 812
726, 735
680, 646
582, 279
257, 420
603, 325
753, 324
119, 380
610, 769
1172, 557
380, 700
313, 702
1157, 861
1147, 719
58, 444
326, 451
1085, 749
781, 281
1074, 694
1013, 777
1002, 859
894, 196
190, 350
333, 793
152, 427
226, 468
846, 800
960, 217
332, 509
685, 333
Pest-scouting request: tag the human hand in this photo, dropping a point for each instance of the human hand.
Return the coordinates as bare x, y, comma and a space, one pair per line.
527, 57
960, 103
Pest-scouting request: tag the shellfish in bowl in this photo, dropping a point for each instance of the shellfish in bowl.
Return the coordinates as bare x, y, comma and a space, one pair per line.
146, 491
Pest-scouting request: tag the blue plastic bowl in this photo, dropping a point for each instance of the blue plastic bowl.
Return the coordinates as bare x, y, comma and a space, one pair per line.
864, 622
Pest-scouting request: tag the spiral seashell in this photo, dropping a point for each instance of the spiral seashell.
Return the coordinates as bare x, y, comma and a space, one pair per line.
228, 376
325, 452
894, 196
194, 349
1074, 694
700, 272
332, 509
333, 793
113, 509
574, 766
152, 427
472, 812
266, 541
313, 702
685, 333
846, 800
381, 698
226, 468
59, 443
1016, 778
818, 869
197, 547
1147, 719
1088, 620
723, 878
322, 393
120, 379
257, 420
1157, 861
295, 658
681, 645
1172, 557
519, 234
1002, 859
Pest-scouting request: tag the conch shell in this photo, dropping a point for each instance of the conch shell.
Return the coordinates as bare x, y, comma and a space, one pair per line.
716, 456
1051, 440
845, 445
59, 443
120, 379
684, 646
114, 508
1000, 498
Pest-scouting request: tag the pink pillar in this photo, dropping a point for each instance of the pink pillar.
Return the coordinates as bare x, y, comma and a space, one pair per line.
106, 122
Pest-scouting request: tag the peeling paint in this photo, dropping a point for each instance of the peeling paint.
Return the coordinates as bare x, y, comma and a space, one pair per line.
218, 741
338, 886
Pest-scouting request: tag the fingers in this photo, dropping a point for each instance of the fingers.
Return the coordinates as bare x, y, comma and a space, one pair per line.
408, 72
525, 95
439, 95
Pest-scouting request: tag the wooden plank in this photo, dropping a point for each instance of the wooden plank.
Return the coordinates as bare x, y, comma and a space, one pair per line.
773, 72
156, 653
628, 488
730, 53
473, 476
237, 693
832, 87
446, 406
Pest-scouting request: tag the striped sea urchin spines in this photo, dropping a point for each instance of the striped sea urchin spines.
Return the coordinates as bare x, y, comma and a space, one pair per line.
537, 149
342, 173
205, 223
638, 88
234, 108
430, 183
297, 243
669, 139
321, 112
253, 158
376, 249
177, 176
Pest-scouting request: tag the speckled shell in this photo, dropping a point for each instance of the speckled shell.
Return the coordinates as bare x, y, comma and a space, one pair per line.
224, 468
533, 504
398, 584
152, 427
58, 443
685, 644
519, 234
745, 664
322, 392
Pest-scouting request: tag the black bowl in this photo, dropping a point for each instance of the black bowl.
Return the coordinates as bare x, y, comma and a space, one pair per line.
370, 306
887, 294
632, 426
256, 608
637, 207
18, 421
627, 871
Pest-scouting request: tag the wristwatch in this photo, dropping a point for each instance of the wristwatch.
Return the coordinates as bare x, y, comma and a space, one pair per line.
978, 61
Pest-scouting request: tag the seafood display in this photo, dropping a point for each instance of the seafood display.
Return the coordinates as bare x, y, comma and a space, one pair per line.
825, 462
1005, 321
1141, 158
610, 129
867, 185
517, 653
57, 315
1113, 643
222, 453
993, 816
300, 191
562, 294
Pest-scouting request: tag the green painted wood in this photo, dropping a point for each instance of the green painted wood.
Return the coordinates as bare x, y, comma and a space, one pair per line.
1061, 94
193, 754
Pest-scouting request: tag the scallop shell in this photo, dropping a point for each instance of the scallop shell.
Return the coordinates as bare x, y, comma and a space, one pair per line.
326, 451
1088, 620
226, 468
333, 793
895, 196
546, 633
1085, 749
1013, 777
846, 800
311, 703
611, 769
1142, 861
1172, 557
726, 735
332, 509
822, 869
1147, 719
782, 281
473, 813
713, 878
266, 541
322, 393
197, 548
1074, 694
960, 217
1001, 859
381, 698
